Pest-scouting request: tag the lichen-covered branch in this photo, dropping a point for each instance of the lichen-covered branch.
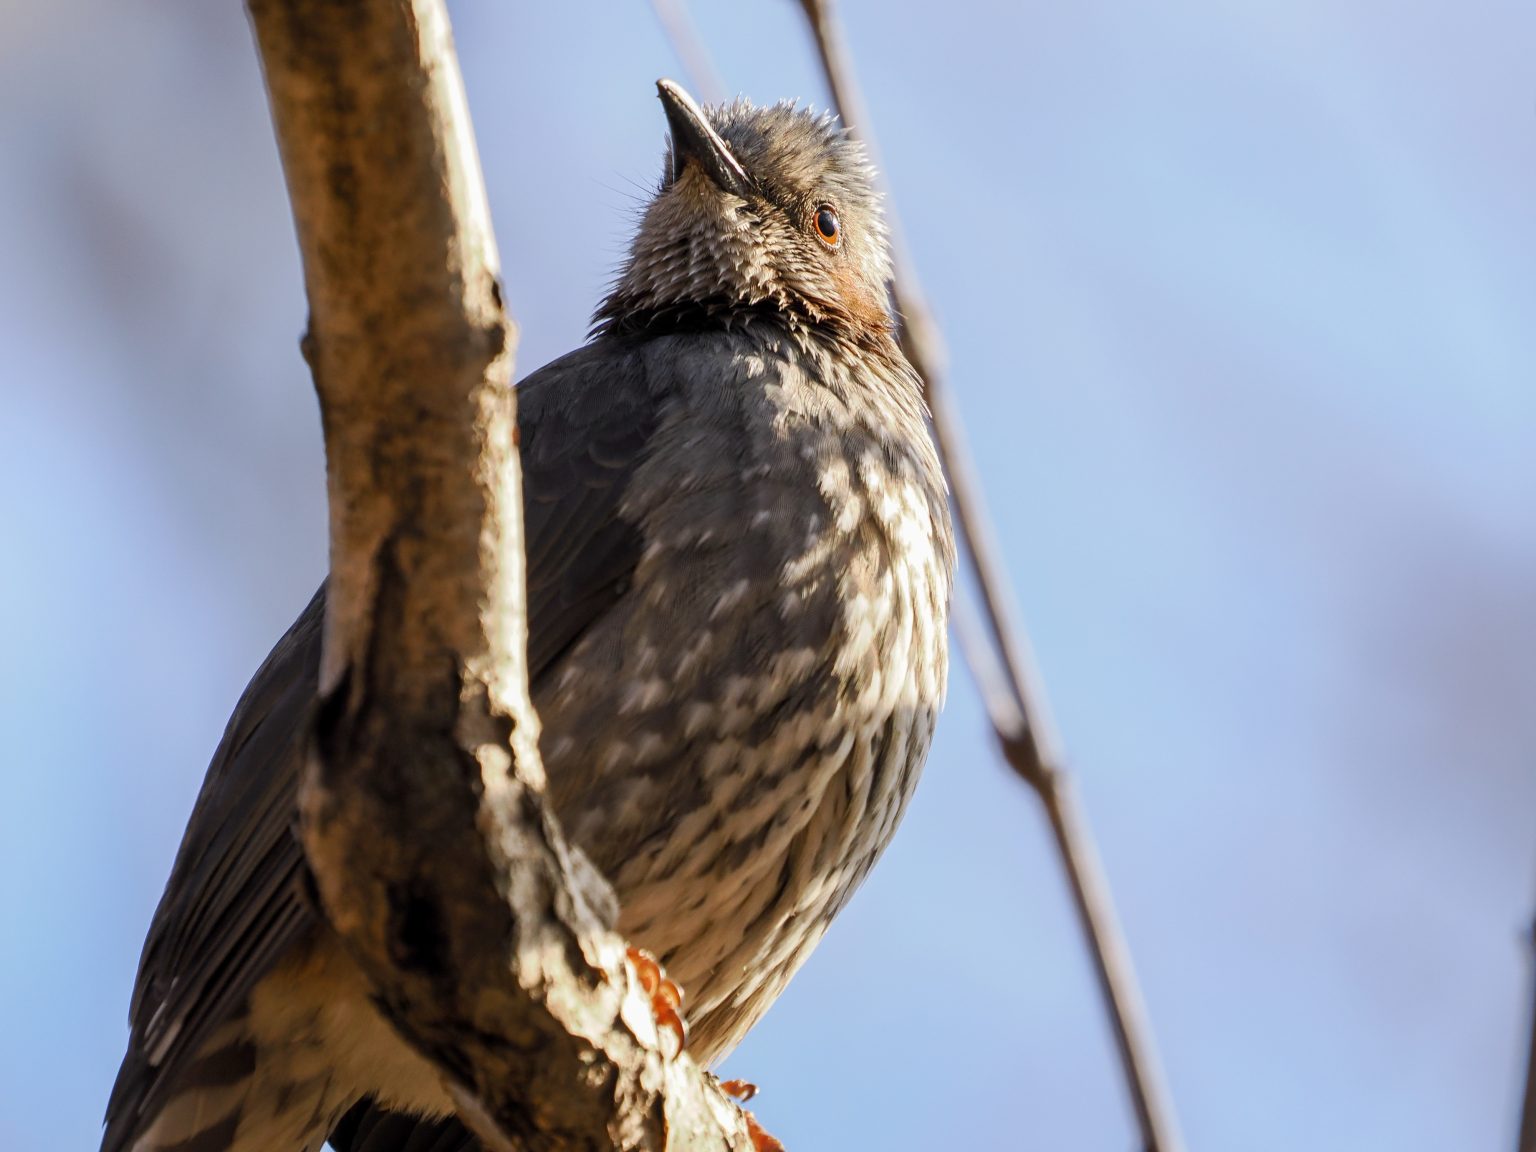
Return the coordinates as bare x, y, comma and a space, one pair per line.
434, 855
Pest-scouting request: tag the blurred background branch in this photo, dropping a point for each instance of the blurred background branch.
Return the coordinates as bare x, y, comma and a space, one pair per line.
1012, 688
1527, 1138
691, 50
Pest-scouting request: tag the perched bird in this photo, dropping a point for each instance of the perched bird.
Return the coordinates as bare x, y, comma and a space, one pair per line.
739, 566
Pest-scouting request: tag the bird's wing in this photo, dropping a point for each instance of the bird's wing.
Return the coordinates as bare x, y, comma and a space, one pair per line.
237, 896
234, 902
369, 1128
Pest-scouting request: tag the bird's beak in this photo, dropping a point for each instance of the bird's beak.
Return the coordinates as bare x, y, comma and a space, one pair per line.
694, 139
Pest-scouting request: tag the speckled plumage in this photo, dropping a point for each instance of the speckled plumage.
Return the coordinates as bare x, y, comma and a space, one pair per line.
739, 565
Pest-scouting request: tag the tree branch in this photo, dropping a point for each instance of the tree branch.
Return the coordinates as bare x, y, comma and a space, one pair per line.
1527, 1137
1011, 687
488, 943
690, 50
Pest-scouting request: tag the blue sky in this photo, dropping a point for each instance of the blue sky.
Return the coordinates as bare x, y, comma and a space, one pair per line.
1239, 303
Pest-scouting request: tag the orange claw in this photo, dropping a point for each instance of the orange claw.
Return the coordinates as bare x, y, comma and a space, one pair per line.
761, 1141
666, 1003
666, 997
742, 1090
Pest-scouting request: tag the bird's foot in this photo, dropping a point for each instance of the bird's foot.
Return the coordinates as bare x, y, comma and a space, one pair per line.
742, 1091
667, 1003
666, 998
761, 1141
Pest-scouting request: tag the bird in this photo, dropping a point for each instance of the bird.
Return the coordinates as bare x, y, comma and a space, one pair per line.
739, 566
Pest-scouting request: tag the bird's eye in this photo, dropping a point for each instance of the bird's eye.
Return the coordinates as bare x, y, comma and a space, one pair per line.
827, 226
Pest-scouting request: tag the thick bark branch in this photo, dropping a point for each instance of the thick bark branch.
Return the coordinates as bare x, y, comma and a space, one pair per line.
424, 820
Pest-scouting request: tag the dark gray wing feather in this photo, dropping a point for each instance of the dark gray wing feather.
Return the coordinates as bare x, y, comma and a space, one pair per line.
368, 1128
237, 900
234, 901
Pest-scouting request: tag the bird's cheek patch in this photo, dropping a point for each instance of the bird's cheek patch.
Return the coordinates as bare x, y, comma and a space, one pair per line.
866, 310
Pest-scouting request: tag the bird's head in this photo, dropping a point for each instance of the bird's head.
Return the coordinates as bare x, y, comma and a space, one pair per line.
761, 209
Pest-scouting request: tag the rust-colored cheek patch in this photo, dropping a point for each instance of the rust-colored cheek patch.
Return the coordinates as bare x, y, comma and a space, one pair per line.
865, 309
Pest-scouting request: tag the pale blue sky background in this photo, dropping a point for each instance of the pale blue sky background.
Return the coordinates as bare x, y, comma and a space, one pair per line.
1240, 305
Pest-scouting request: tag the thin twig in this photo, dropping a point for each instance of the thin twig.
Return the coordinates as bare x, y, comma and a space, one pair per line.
1011, 686
1528, 1108
698, 67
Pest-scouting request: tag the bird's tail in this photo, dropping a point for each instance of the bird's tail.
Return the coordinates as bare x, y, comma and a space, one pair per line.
227, 1099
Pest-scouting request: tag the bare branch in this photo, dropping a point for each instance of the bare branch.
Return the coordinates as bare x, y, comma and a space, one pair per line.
1011, 687
424, 819
692, 54
1528, 1105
